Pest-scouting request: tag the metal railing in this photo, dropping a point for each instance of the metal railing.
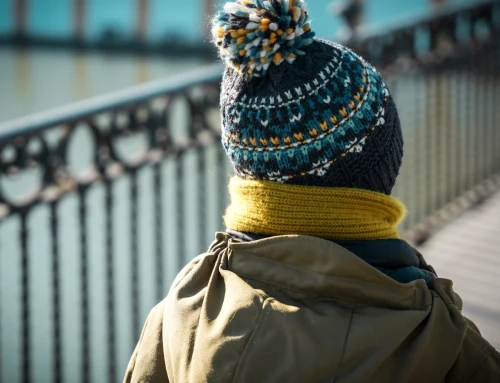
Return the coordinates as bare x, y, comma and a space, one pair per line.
102, 202
75, 162
443, 70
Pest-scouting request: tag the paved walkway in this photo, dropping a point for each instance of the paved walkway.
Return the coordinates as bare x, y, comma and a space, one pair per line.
467, 251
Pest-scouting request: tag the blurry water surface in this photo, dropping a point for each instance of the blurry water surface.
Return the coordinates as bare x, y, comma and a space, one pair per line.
35, 80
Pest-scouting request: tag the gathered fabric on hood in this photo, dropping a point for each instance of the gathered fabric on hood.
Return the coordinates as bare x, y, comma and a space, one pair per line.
393, 257
304, 309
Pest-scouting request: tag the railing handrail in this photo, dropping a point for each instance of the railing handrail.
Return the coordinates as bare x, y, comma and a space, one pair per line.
36, 122
378, 30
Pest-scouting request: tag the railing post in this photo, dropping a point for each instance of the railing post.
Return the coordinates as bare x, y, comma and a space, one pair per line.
134, 260
25, 301
79, 19
208, 11
20, 11
56, 293
84, 284
110, 282
142, 20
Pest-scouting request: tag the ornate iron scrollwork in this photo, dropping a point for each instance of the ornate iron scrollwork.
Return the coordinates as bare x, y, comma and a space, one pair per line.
45, 158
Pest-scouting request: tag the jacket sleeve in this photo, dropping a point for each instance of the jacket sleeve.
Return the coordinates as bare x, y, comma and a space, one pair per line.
477, 361
148, 363
488, 370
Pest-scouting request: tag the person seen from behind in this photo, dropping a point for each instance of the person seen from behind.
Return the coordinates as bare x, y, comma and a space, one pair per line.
310, 282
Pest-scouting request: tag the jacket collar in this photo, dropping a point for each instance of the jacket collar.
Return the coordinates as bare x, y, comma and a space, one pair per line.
320, 267
383, 253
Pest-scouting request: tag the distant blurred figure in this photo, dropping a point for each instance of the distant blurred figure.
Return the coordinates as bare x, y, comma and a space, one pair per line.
352, 11
438, 3
444, 40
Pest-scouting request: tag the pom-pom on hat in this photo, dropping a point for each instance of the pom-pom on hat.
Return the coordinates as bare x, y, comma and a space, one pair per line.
309, 112
251, 35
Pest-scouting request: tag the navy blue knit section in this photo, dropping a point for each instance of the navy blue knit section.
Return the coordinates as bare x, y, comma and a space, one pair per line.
327, 120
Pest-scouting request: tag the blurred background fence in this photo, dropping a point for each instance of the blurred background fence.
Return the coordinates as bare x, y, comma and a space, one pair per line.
102, 202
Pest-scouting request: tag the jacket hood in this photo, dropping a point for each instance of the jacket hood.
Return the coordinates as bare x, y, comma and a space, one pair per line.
316, 266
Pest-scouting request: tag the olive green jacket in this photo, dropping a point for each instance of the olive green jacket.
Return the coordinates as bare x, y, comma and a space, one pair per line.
302, 309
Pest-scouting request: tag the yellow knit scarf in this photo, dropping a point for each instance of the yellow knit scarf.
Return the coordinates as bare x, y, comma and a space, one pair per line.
271, 208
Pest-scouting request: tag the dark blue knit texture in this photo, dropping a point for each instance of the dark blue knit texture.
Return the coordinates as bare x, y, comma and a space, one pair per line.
325, 120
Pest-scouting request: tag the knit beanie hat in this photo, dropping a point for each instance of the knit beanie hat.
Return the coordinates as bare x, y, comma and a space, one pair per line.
301, 110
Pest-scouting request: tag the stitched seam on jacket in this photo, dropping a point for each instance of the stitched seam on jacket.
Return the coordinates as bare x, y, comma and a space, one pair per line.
345, 344
400, 288
237, 370
334, 298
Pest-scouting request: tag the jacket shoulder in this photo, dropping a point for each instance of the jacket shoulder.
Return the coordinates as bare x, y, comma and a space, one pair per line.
477, 360
147, 363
